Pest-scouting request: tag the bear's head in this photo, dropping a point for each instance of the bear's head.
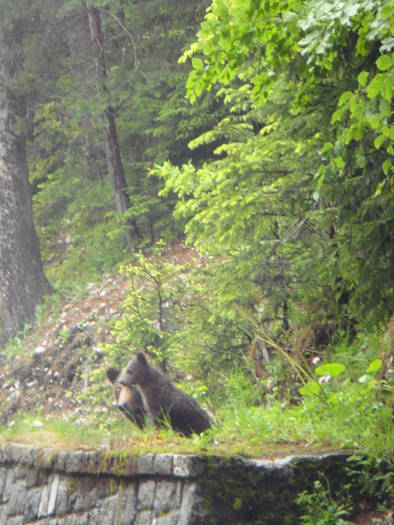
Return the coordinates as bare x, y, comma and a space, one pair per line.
127, 397
138, 369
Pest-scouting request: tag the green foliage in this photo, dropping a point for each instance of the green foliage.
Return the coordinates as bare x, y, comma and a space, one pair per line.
370, 477
53, 432
374, 478
73, 198
320, 507
286, 189
342, 404
14, 348
355, 402
301, 193
152, 306
171, 311
330, 369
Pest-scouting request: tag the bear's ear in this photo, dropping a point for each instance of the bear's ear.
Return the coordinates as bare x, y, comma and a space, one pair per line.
112, 374
141, 357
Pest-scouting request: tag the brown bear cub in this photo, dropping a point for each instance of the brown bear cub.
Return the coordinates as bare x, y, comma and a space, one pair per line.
127, 398
160, 399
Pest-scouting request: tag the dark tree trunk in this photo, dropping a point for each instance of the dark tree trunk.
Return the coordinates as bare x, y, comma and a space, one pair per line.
114, 161
22, 279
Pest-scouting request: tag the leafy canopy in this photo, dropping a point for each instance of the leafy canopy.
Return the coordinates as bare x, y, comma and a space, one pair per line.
300, 196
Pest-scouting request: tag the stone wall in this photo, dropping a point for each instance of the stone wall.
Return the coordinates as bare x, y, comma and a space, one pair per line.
107, 488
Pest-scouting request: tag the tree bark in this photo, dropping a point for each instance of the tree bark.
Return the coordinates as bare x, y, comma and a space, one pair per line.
22, 279
112, 151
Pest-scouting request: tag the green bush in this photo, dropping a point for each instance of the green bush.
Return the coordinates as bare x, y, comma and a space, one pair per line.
172, 312
321, 508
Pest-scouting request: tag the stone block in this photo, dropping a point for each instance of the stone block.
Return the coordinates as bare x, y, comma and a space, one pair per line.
20, 472
30, 476
146, 494
68, 519
106, 510
131, 504
187, 466
17, 499
74, 462
154, 464
144, 518
167, 496
16, 453
83, 492
162, 465
53, 494
3, 477
126, 508
93, 461
16, 520
191, 510
32, 503
168, 519
8, 485
43, 507
3, 515
61, 505
145, 464
93, 517
60, 461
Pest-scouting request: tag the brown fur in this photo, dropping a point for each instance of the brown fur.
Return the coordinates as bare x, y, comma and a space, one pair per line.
162, 400
127, 398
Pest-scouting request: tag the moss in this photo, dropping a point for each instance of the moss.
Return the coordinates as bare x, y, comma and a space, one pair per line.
113, 486
52, 457
120, 463
237, 505
72, 485
241, 492
40, 459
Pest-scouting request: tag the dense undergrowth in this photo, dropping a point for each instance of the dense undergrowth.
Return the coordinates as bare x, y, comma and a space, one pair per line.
279, 400
271, 396
276, 168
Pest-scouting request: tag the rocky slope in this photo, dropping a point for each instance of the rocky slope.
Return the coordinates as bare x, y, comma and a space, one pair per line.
44, 372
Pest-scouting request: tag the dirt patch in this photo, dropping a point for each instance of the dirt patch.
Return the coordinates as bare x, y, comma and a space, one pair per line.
374, 518
56, 357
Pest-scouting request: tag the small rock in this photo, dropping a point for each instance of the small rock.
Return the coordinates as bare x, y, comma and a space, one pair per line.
39, 350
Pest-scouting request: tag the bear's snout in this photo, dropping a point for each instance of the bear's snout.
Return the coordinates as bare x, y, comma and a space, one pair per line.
122, 406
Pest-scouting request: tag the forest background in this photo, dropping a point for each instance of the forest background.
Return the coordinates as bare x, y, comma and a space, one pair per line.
259, 134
